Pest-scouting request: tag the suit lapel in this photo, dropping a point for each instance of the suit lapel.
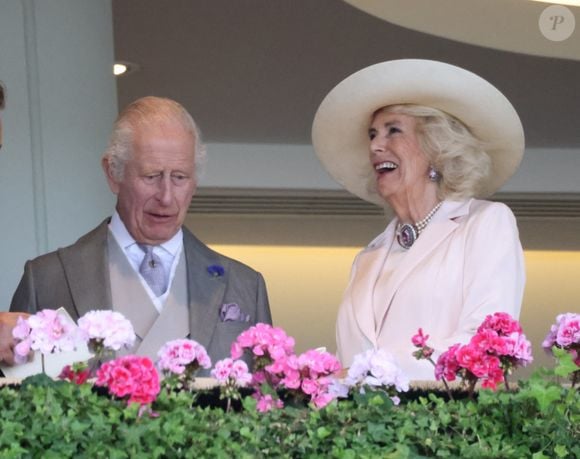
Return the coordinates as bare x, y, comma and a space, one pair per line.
86, 267
440, 227
205, 291
368, 267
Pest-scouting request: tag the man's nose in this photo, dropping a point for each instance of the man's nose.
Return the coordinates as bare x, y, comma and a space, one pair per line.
165, 192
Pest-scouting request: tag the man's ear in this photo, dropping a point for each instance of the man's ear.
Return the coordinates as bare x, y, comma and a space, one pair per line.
113, 184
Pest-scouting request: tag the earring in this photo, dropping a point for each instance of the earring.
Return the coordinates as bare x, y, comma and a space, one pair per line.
433, 175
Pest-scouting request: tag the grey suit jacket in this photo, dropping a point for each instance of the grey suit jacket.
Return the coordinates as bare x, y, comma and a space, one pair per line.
77, 278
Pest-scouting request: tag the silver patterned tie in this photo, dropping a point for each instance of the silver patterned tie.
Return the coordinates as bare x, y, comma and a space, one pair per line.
152, 270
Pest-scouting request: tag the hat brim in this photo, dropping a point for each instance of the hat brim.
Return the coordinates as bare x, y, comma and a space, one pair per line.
340, 127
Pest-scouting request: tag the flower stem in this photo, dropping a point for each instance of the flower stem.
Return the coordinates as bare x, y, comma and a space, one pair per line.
447, 388
505, 380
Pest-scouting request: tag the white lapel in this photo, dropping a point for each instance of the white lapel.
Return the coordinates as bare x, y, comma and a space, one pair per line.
440, 227
367, 265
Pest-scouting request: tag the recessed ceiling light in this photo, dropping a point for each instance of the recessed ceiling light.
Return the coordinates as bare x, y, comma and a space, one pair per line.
122, 68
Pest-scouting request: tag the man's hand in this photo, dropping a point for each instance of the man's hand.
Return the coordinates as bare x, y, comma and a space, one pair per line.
7, 323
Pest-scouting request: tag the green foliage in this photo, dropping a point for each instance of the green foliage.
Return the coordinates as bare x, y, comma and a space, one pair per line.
540, 420
566, 365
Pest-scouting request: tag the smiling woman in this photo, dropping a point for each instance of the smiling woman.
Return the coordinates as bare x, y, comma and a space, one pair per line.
424, 138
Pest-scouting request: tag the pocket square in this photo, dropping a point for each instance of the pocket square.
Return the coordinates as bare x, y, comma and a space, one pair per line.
231, 312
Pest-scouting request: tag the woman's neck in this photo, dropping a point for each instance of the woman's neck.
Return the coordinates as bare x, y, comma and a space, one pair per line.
411, 209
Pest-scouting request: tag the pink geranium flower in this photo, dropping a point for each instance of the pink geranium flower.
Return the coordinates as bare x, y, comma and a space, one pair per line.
493, 352
232, 372
106, 330
231, 375
565, 334
447, 365
46, 331
267, 402
75, 375
305, 376
265, 342
309, 375
182, 357
501, 322
132, 377
420, 340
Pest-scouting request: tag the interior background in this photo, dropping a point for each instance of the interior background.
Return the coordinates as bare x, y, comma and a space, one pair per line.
252, 73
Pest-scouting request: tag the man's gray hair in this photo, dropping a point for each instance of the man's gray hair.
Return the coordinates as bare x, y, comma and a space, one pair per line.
141, 113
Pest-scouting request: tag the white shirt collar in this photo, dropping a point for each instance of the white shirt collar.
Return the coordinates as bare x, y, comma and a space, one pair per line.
125, 240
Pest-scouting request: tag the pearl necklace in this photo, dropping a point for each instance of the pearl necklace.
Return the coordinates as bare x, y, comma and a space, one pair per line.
407, 233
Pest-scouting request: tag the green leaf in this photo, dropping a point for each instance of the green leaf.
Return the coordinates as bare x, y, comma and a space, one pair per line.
545, 395
561, 451
323, 432
245, 432
566, 365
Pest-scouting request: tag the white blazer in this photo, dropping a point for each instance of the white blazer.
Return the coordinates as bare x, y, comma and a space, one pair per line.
466, 264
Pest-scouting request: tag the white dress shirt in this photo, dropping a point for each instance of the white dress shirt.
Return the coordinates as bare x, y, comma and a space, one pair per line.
169, 253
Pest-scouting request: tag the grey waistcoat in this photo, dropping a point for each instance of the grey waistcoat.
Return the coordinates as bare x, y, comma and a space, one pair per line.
130, 298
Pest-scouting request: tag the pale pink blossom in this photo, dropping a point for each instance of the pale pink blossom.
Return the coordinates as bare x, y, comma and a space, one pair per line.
46, 331
109, 329
565, 334
267, 402
181, 355
241, 373
320, 400
568, 332
263, 340
234, 373
520, 348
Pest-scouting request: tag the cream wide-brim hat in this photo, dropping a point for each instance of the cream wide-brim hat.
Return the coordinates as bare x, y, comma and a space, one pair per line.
340, 128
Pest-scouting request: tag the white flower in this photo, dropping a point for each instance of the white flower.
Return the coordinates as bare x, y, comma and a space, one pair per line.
109, 328
376, 368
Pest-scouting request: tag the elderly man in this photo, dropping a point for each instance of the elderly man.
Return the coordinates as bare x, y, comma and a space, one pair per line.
142, 262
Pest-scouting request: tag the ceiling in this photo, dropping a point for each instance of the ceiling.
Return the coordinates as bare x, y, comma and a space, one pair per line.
254, 71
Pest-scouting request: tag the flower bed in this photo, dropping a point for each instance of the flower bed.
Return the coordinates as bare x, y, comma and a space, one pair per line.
372, 412
541, 420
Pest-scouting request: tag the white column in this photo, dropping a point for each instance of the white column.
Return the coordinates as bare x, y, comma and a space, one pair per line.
56, 61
